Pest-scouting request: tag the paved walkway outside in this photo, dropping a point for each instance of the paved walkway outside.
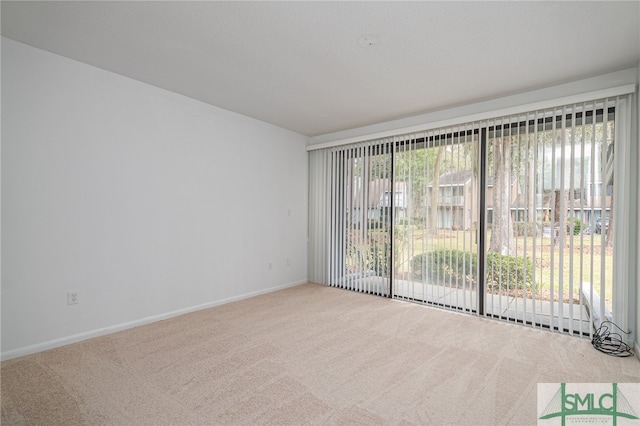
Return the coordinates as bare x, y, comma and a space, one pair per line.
573, 316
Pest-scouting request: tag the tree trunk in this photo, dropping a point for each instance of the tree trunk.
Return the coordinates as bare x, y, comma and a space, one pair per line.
530, 191
435, 192
560, 214
502, 240
605, 228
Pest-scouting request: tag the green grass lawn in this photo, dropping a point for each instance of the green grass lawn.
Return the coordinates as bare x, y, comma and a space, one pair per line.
578, 259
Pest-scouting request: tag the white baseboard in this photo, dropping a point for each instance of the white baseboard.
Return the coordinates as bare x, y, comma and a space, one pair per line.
39, 347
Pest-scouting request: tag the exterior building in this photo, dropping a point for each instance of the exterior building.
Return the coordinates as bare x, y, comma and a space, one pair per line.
379, 201
457, 198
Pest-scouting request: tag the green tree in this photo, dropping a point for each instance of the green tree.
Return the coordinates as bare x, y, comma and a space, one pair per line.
502, 239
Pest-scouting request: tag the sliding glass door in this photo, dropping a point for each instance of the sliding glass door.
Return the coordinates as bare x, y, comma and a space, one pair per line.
435, 234
514, 218
549, 204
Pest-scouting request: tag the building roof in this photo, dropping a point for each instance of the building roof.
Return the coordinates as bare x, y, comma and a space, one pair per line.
458, 177
376, 190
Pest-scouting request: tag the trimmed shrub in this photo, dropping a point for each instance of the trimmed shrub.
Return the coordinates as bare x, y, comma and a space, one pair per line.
502, 271
574, 226
444, 264
378, 258
509, 271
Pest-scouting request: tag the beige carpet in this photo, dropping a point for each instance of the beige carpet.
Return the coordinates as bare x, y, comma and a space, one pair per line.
305, 355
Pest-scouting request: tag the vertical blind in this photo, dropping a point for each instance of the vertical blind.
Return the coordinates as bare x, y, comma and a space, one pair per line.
350, 216
518, 217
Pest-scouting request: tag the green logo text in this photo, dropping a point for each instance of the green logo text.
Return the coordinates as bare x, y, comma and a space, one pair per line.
613, 404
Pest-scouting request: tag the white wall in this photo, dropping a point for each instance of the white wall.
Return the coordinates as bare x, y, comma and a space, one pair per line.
146, 202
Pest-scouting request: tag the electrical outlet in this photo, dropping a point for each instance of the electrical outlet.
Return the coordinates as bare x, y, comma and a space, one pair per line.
288, 261
269, 266
72, 298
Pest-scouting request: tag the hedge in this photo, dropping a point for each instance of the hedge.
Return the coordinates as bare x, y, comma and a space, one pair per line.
502, 270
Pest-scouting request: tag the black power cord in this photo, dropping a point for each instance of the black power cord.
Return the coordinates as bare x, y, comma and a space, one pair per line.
610, 343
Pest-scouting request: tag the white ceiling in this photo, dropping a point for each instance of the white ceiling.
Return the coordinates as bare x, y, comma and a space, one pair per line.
298, 64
